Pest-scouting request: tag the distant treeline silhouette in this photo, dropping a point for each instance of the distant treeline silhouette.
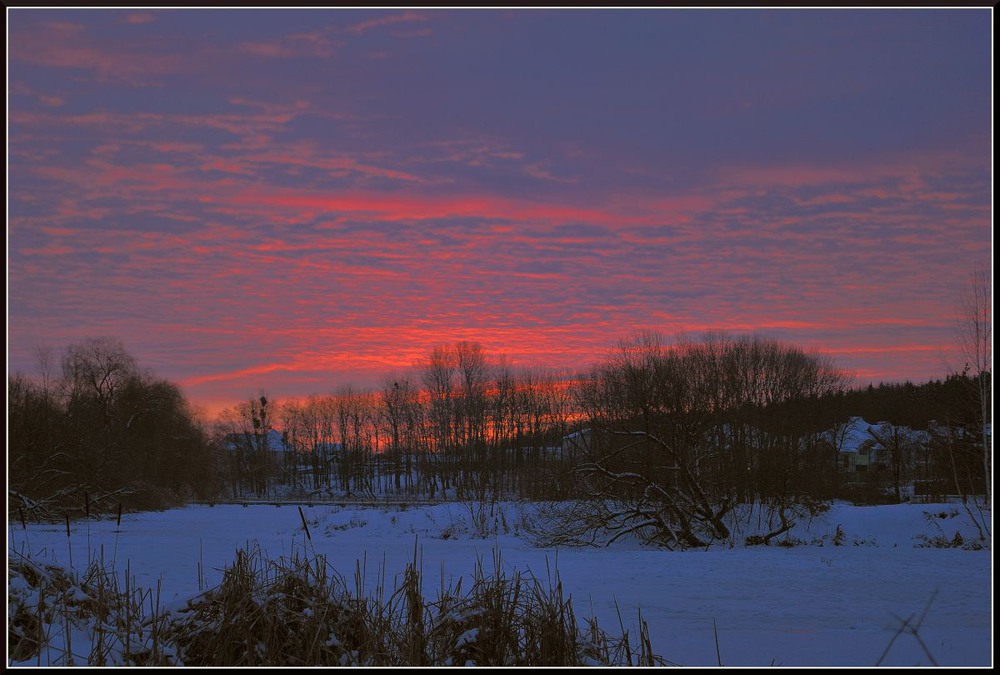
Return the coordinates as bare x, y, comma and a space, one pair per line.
103, 433
726, 419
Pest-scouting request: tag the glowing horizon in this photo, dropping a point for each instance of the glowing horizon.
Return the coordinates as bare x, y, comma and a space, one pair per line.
293, 200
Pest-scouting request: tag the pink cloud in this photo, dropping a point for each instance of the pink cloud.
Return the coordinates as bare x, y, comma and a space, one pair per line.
405, 17
235, 375
317, 43
387, 275
137, 18
308, 155
267, 50
46, 251
67, 45
396, 206
536, 171
48, 100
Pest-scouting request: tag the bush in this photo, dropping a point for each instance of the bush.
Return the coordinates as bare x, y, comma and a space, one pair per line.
838, 536
942, 541
146, 497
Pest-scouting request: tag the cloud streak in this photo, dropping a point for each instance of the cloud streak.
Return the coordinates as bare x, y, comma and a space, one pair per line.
246, 220
368, 24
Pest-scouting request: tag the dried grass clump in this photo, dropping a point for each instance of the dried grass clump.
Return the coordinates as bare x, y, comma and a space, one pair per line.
297, 611
269, 613
58, 618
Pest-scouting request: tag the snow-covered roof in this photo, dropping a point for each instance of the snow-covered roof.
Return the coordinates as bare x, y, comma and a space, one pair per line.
851, 436
582, 434
857, 433
274, 440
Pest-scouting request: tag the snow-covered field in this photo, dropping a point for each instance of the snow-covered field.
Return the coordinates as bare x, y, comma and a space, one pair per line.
815, 604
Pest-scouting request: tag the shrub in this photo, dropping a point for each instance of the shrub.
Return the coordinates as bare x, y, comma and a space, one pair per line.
838, 536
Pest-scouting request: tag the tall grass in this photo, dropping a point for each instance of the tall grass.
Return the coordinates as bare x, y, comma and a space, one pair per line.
59, 618
298, 611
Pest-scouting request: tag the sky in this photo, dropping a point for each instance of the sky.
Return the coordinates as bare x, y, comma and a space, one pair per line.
290, 200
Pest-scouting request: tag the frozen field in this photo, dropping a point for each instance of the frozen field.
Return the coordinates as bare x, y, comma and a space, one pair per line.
814, 604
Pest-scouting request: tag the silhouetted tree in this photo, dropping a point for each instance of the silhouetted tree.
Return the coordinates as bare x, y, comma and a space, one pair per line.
105, 432
976, 338
680, 435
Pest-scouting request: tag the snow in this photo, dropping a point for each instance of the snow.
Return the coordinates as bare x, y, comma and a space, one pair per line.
814, 604
856, 433
852, 435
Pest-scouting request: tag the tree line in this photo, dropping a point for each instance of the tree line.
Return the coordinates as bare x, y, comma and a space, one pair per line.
667, 437
683, 435
460, 424
101, 433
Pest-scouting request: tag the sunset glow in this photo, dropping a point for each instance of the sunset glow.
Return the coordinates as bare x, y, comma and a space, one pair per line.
293, 200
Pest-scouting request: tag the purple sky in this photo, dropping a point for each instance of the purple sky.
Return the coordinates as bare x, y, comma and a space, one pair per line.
293, 200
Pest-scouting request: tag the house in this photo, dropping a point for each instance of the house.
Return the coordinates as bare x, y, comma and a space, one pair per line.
273, 442
577, 443
863, 447
853, 443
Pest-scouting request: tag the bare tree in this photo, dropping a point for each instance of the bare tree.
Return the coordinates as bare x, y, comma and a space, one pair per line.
40, 459
439, 378
665, 503
97, 369
975, 330
399, 401
438, 372
245, 431
902, 450
105, 431
474, 373
679, 436
45, 358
